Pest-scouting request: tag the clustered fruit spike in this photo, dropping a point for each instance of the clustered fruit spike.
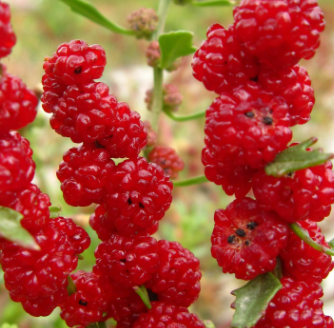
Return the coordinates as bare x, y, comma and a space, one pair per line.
263, 92
143, 22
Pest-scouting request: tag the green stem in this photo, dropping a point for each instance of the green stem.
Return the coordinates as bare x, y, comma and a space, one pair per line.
191, 181
142, 292
184, 118
304, 236
158, 72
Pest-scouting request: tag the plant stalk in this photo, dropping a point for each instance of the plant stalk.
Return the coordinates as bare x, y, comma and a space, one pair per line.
184, 118
191, 181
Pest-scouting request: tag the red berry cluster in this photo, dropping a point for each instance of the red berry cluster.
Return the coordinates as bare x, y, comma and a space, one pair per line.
36, 278
132, 198
253, 66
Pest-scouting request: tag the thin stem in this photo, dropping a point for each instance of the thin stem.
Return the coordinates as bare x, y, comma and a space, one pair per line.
143, 294
158, 72
191, 181
184, 118
304, 236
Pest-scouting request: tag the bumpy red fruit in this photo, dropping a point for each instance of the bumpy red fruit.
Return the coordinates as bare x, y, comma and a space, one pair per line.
304, 194
168, 315
84, 113
247, 127
39, 273
17, 168
220, 62
177, 280
129, 261
80, 174
17, 103
137, 195
301, 261
294, 85
233, 179
8, 37
152, 136
75, 62
297, 304
33, 205
168, 159
246, 240
279, 32
128, 135
88, 303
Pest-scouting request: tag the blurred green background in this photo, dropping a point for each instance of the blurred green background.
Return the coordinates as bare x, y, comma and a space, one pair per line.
41, 25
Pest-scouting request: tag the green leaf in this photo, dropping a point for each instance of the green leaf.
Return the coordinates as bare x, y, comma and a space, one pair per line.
174, 45
10, 228
7, 325
209, 324
89, 11
331, 243
297, 158
55, 211
212, 3
253, 299
71, 287
143, 294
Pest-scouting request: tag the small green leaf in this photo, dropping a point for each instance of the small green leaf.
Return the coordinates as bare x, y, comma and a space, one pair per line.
212, 3
174, 45
253, 299
11, 229
143, 294
297, 158
55, 211
71, 288
89, 11
209, 324
331, 243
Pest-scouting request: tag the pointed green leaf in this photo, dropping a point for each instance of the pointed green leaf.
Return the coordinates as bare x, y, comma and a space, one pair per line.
71, 287
174, 45
143, 294
11, 229
331, 243
252, 300
297, 158
212, 3
55, 211
89, 11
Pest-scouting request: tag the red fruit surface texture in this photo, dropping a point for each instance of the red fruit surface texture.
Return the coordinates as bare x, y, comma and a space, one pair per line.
8, 37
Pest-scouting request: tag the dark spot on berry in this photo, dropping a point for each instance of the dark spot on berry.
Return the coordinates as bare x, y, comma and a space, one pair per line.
78, 70
84, 303
152, 296
241, 233
141, 205
290, 174
268, 120
250, 114
251, 225
230, 239
123, 260
255, 79
163, 162
129, 201
247, 242
98, 145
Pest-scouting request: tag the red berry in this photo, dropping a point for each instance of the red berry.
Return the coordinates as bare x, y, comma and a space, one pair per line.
80, 174
8, 37
168, 159
246, 240
137, 195
304, 194
297, 304
84, 113
279, 32
233, 179
301, 261
17, 168
247, 127
128, 135
152, 136
33, 205
17, 103
220, 62
76, 62
294, 85
168, 315
88, 303
128, 261
31, 273
177, 280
